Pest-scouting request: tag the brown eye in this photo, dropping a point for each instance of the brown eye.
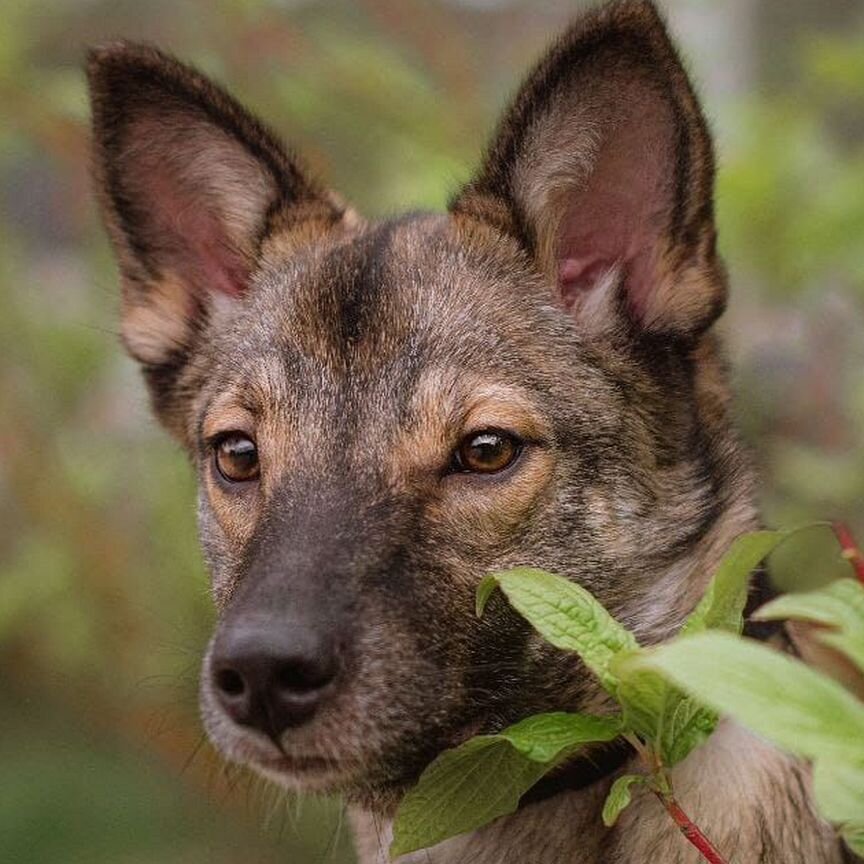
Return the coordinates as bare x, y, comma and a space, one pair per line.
237, 458
486, 452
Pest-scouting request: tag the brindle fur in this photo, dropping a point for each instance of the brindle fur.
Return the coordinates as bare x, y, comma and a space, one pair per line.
359, 354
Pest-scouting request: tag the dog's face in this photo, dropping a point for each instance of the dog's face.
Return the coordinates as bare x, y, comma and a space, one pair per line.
380, 414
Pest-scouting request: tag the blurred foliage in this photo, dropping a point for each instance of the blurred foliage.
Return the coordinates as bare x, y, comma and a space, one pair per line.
103, 600
791, 215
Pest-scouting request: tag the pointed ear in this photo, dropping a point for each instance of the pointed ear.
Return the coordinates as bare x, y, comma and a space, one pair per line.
603, 168
190, 184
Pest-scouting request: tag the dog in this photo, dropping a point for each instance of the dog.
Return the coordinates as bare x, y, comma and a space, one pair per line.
380, 413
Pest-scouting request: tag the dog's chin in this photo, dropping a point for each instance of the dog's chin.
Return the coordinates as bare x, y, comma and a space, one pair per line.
302, 773
309, 771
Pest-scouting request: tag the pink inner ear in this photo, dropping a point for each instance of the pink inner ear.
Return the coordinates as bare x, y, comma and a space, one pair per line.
218, 266
616, 218
201, 251
578, 276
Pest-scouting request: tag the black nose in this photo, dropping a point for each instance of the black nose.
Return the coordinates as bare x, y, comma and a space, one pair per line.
272, 676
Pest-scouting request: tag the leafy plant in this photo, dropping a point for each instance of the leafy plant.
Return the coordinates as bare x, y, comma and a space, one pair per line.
802, 711
484, 779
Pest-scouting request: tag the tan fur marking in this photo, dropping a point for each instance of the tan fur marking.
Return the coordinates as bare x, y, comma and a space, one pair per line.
289, 235
236, 512
502, 407
226, 416
684, 293
485, 509
156, 322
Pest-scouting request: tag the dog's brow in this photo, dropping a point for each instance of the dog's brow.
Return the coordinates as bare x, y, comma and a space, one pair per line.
226, 418
226, 409
505, 406
468, 401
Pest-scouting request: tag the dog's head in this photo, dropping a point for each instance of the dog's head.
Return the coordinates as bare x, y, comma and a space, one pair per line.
382, 413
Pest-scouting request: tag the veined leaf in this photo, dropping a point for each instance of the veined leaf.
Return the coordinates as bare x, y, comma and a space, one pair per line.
565, 614
619, 797
546, 737
780, 699
672, 721
483, 779
642, 695
664, 716
686, 724
461, 790
722, 606
838, 607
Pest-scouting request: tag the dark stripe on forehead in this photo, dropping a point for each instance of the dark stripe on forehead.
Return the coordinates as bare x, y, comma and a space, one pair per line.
361, 292
360, 280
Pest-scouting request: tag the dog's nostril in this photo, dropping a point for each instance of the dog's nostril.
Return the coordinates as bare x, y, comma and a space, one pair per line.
231, 683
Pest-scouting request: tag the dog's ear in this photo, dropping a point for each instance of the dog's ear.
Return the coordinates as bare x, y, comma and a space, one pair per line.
190, 185
603, 169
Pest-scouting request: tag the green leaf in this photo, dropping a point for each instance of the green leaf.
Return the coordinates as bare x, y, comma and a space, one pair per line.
619, 797
673, 722
485, 589
722, 606
461, 790
642, 695
839, 606
853, 834
780, 699
662, 715
686, 724
465, 788
838, 789
546, 737
565, 614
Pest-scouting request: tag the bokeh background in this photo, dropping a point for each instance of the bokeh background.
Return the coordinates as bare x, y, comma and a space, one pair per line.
103, 599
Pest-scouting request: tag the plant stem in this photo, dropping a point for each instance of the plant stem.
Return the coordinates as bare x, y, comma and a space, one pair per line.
661, 785
689, 829
851, 550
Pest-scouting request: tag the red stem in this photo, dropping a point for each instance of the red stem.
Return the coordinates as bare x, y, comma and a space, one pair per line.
691, 831
851, 550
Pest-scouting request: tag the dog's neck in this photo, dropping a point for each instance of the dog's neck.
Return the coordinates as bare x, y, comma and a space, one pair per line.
728, 787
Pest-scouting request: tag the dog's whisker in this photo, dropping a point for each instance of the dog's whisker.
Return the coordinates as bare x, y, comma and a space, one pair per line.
187, 762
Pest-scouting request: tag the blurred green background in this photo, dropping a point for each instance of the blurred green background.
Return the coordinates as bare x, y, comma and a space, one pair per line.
103, 600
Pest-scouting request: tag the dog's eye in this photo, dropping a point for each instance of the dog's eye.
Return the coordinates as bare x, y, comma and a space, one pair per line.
237, 458
486, 452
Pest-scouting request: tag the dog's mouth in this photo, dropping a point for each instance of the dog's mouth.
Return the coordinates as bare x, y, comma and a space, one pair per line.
298, 765
310, 773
